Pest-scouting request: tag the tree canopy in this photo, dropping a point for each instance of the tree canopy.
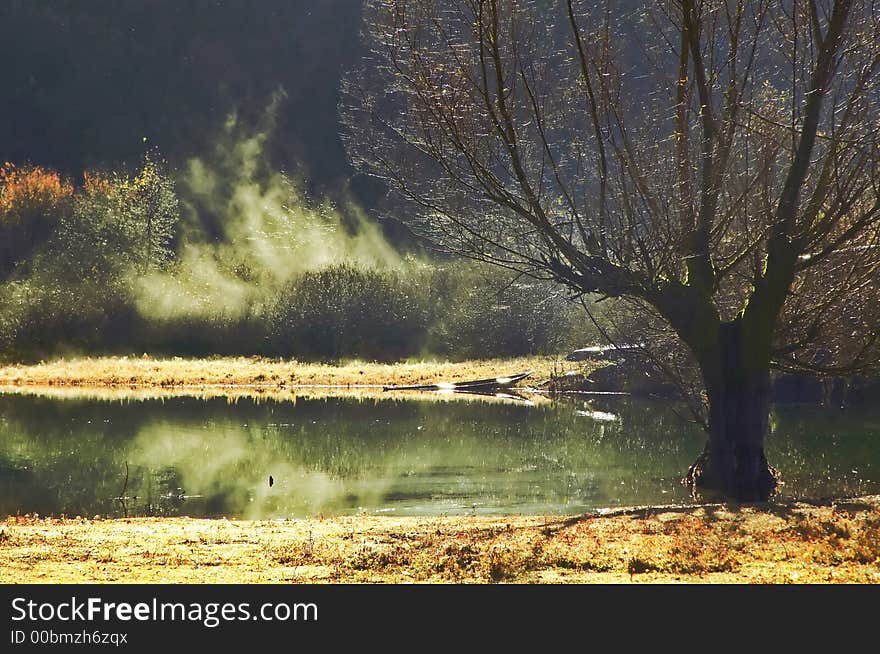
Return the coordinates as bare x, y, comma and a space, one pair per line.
714, 161
718, 149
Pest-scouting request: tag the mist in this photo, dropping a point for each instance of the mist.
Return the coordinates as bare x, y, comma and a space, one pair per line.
226, 254
247, 230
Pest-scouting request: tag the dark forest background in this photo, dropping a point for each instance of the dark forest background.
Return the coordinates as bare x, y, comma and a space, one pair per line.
149, 253
86, 82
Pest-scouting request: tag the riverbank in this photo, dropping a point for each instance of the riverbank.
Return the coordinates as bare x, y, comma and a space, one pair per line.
268, 373
773, 543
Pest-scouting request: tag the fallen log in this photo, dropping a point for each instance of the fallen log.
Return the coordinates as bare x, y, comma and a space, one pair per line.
472, 385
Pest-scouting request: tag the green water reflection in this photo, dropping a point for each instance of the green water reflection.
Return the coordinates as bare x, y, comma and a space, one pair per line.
188, 456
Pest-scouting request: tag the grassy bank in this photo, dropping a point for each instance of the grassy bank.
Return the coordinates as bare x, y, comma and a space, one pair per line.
255, 371
799, 543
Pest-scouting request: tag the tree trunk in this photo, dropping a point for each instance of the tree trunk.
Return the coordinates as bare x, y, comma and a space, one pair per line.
737, 377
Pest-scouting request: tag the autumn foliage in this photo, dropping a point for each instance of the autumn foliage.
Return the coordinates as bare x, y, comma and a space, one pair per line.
30, 188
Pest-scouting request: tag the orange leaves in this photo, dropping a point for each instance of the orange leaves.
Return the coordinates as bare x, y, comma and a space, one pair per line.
120, 185
97, 183
26, 188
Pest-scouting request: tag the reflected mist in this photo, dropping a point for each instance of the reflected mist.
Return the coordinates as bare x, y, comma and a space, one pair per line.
338, 455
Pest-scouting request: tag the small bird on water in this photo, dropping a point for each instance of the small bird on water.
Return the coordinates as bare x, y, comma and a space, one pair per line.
271, 481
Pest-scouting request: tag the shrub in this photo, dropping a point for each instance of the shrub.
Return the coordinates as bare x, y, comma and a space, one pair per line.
482, 313
69, 259
29, 189
120, 222
457, 312
202, 335
343, 311
30, 200
73, 293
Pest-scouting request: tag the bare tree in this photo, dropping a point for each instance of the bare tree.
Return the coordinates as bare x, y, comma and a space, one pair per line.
714, 161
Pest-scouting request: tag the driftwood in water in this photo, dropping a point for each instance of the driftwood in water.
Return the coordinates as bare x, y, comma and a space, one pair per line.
473, 385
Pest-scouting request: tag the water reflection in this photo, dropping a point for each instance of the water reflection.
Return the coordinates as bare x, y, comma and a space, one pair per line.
335, 455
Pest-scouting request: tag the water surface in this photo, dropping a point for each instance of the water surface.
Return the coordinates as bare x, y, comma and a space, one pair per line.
337, 455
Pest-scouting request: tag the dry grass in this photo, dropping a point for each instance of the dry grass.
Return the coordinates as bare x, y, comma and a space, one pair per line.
838, 543
259, 372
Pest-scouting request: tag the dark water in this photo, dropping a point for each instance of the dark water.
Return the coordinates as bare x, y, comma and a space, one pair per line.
186, 456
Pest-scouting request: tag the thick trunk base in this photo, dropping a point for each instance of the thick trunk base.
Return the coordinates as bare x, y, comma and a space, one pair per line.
733, 465
738, 473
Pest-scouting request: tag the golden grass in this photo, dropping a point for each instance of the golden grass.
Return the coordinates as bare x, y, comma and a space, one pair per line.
264, 373
792, 543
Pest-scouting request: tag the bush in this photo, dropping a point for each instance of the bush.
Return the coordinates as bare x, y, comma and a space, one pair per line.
481, 313
30, 201
342, 311
71, 258
71, 291
39, 319
459, 312
121, 222
202, 335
